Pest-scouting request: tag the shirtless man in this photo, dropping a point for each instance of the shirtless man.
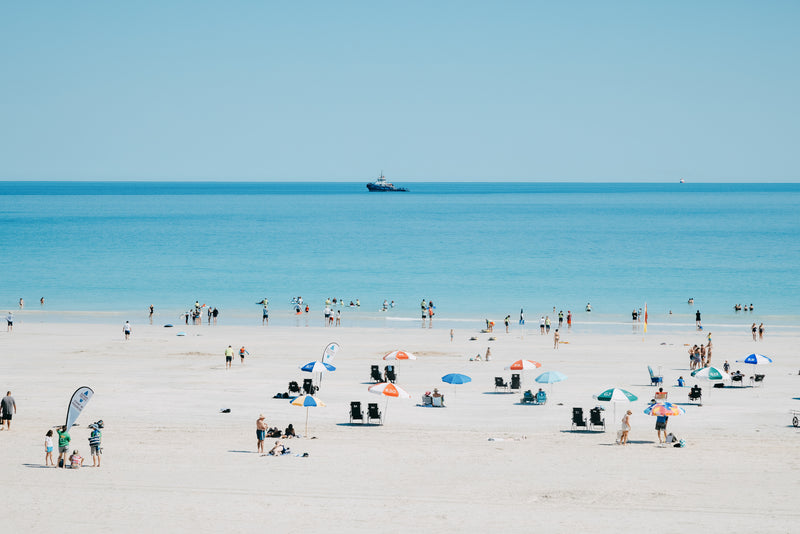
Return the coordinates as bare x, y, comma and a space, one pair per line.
261, 431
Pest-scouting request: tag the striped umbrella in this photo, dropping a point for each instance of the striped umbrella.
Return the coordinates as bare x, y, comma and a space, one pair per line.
661, 409
317, 367
756, 359
523, 365
387, 389
712, 374
309, 402
399, 355
615, 395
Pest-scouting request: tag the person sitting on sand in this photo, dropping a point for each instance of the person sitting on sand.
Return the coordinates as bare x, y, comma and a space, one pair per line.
76, 460
278, 449
289, 432
436, 393
681, 383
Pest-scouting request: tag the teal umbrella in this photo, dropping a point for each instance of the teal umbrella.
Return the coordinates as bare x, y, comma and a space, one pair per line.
550, 377
615, 395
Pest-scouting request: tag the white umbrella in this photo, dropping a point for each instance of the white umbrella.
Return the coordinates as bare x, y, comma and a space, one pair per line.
387, 389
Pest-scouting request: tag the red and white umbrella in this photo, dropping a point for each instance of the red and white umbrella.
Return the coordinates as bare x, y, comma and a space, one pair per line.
523, 365
387, 389
399, 355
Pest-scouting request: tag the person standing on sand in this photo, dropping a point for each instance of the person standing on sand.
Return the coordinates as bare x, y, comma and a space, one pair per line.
228, 357
63, 445
506, 322
521, 317
126, 330
48, 448
10, 322
261, 431
21, 303
94, 445
754, 329
761, 332
451, 335
541, 325
569, 319
560, 318
488, 354
697, 320
265, 314
661, 426
547, 324
555, 339
8, 406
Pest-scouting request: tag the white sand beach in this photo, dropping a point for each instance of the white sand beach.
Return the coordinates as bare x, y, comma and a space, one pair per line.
173, 462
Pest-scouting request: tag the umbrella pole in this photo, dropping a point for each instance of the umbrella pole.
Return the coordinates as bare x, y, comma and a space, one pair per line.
386, 409
306, 421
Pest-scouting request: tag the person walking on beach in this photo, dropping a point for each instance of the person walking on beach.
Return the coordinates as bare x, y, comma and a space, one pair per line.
547, 324
48, 448
556, 337
151, 314
261, 431
451, 335
625, 428
541, 324
63, 445
94, 445
8, 405
242, 352
265, 314
569, 319
761, 332
126, 330
560, 318
228, 357
10, 322
697, 320
215, 314
338, 317
506, 322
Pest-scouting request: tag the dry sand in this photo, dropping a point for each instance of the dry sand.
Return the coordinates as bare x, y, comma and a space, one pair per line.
174, 463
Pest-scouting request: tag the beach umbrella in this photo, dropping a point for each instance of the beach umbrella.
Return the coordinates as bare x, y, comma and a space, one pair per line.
523, 365
456, 378
664, 409
711, 374
317, 367
614, 396
308, 402
755, 360
389, 390
550, 377
399, 355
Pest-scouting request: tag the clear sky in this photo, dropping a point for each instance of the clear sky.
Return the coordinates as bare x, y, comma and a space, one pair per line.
432, 90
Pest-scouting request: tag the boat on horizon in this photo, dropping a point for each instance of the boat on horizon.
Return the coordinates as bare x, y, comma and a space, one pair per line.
382, 185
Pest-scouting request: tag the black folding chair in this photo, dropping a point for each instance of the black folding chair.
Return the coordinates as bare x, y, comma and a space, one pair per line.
578, 420
356, 413
500, 383
595, 419
373, 413
375, 373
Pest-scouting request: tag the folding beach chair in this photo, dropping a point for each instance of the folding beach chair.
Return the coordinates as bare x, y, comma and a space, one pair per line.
373, 413
356, 413
390, 374
499, 383
375, 373
595, 419
696, 394
528, 398
515, 382
294, 387
655, 379
578, 420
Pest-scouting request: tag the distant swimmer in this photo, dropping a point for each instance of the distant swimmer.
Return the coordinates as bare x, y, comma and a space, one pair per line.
391, 305
41, 301
588, 307
690, 301
21, 303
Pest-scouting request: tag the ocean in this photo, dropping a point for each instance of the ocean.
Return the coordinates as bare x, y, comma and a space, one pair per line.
106, 251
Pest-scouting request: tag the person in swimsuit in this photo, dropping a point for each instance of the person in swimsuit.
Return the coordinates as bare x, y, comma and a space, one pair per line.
261, 431
228, 357
626, 427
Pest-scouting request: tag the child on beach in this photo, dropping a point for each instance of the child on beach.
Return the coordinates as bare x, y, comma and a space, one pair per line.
48, 448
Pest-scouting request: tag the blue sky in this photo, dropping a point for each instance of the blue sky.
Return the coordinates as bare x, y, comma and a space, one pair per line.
433, 91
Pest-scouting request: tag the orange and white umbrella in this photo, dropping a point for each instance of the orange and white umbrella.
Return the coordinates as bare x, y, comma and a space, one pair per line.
523, 365
399, 355
387, 389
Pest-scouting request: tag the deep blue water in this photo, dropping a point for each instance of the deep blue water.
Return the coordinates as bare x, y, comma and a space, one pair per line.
477, 249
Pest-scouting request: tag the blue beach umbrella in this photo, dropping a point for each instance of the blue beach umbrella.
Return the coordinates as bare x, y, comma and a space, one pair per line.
456, 378
551, 377
755, 359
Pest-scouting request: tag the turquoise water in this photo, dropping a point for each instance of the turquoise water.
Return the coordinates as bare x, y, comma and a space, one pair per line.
478, 250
